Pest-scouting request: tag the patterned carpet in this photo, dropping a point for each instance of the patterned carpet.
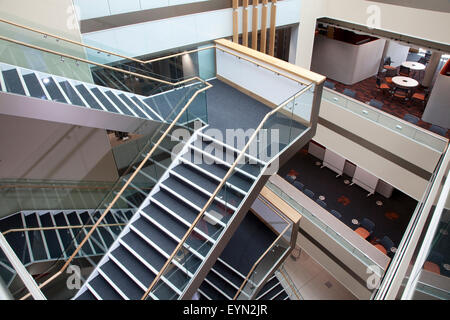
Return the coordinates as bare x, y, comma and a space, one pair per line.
366, 90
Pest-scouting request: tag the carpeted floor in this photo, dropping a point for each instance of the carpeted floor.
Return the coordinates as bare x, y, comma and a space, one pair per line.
390, 219
366, 90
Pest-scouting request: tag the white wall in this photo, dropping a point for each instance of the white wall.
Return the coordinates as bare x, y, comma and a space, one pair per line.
437, 110
36, 149
179, 31
345, 62
397, 52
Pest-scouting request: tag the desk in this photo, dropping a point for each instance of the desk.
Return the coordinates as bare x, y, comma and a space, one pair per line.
413, 65
405, 82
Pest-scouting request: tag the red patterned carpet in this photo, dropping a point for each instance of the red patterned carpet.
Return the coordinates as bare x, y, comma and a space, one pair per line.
366, 90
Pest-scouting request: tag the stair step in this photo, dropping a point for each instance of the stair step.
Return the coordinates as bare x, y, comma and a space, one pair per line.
186, 191
134, 265
101, 97
71, 93
132, 106
64, 234
224, 286
118, 103
177, 277
281, 296
196, 177
87, 96
104, 289
53, 90
146, 108
17, 240
175, 205
109, 219
98, 244
79, 233
145, 250
86, 295
51, 237
12, 82
34, 87
211, 292
166, 220
122, 280
272, 293
104, 231
228, 273
154, 234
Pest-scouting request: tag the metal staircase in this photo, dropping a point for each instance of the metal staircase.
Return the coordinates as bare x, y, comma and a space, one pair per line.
57, 229
146, 243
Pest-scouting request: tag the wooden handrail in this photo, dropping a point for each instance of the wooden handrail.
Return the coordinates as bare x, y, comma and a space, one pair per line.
62, 227
219, 187
294, 290
24, 186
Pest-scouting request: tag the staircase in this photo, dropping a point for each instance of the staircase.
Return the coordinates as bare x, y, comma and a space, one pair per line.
146, 243
48, 245
101, 105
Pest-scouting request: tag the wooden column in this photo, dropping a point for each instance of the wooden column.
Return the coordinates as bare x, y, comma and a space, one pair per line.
255, 25
264, 26
235, 22
273, 19
245, 23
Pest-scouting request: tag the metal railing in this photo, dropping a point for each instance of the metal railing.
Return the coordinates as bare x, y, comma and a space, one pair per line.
290, 283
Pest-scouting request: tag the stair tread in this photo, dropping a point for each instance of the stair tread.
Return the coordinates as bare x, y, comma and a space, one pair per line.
222, 284
51, 236
228, 273
16, 239
71, 93
53, 90
175, 205
188, 192
34, 87
118, 103
86, 295
122, 280
88, 97
145, 250
211, 292
101, 97
130, 105
156, 235
12, 82
79, 233
136, 267
35, 238
166, 220
104, 289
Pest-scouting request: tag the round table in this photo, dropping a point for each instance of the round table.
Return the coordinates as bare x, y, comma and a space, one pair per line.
413, 65
405, 82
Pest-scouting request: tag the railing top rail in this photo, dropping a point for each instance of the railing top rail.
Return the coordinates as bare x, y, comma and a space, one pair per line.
434, 135
219, 187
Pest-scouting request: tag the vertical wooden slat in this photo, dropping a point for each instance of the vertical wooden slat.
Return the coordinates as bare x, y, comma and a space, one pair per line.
235, 22
245, 23
273, 18
255, 25
264, 26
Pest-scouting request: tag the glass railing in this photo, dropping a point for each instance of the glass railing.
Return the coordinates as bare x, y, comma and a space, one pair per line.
288, 284
391, 122
271, 258
282, 123
340, 239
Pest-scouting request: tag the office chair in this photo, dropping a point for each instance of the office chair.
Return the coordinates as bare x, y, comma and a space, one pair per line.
336, 214
367, 224
404, 71
375, 103
410, 118
309, 193
329, 85
300, 186
350, 93
439, 130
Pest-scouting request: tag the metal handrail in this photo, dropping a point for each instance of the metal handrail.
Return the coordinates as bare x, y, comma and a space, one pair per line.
289, 282
219, 187
259, 260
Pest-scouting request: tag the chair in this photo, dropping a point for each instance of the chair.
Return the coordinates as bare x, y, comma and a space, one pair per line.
422, 60
375, 103
309, 193
434, 262
321, 203
349, 93
300, 186
400, 93
385, 245
404, 71
336, 214
410, 118
438, 130
365, 228
289, 178
421, 97
390, 71
383, 87
387, 62
329, 85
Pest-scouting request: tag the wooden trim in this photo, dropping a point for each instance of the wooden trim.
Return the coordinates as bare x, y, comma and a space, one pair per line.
245, 23
235, 22
247, 92
255, 25
272, 61
281, 205
264, 26
273, 18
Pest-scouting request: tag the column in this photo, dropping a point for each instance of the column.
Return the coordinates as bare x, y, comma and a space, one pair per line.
430, 71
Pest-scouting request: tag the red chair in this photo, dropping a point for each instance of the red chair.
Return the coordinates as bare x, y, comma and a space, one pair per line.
421, 97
